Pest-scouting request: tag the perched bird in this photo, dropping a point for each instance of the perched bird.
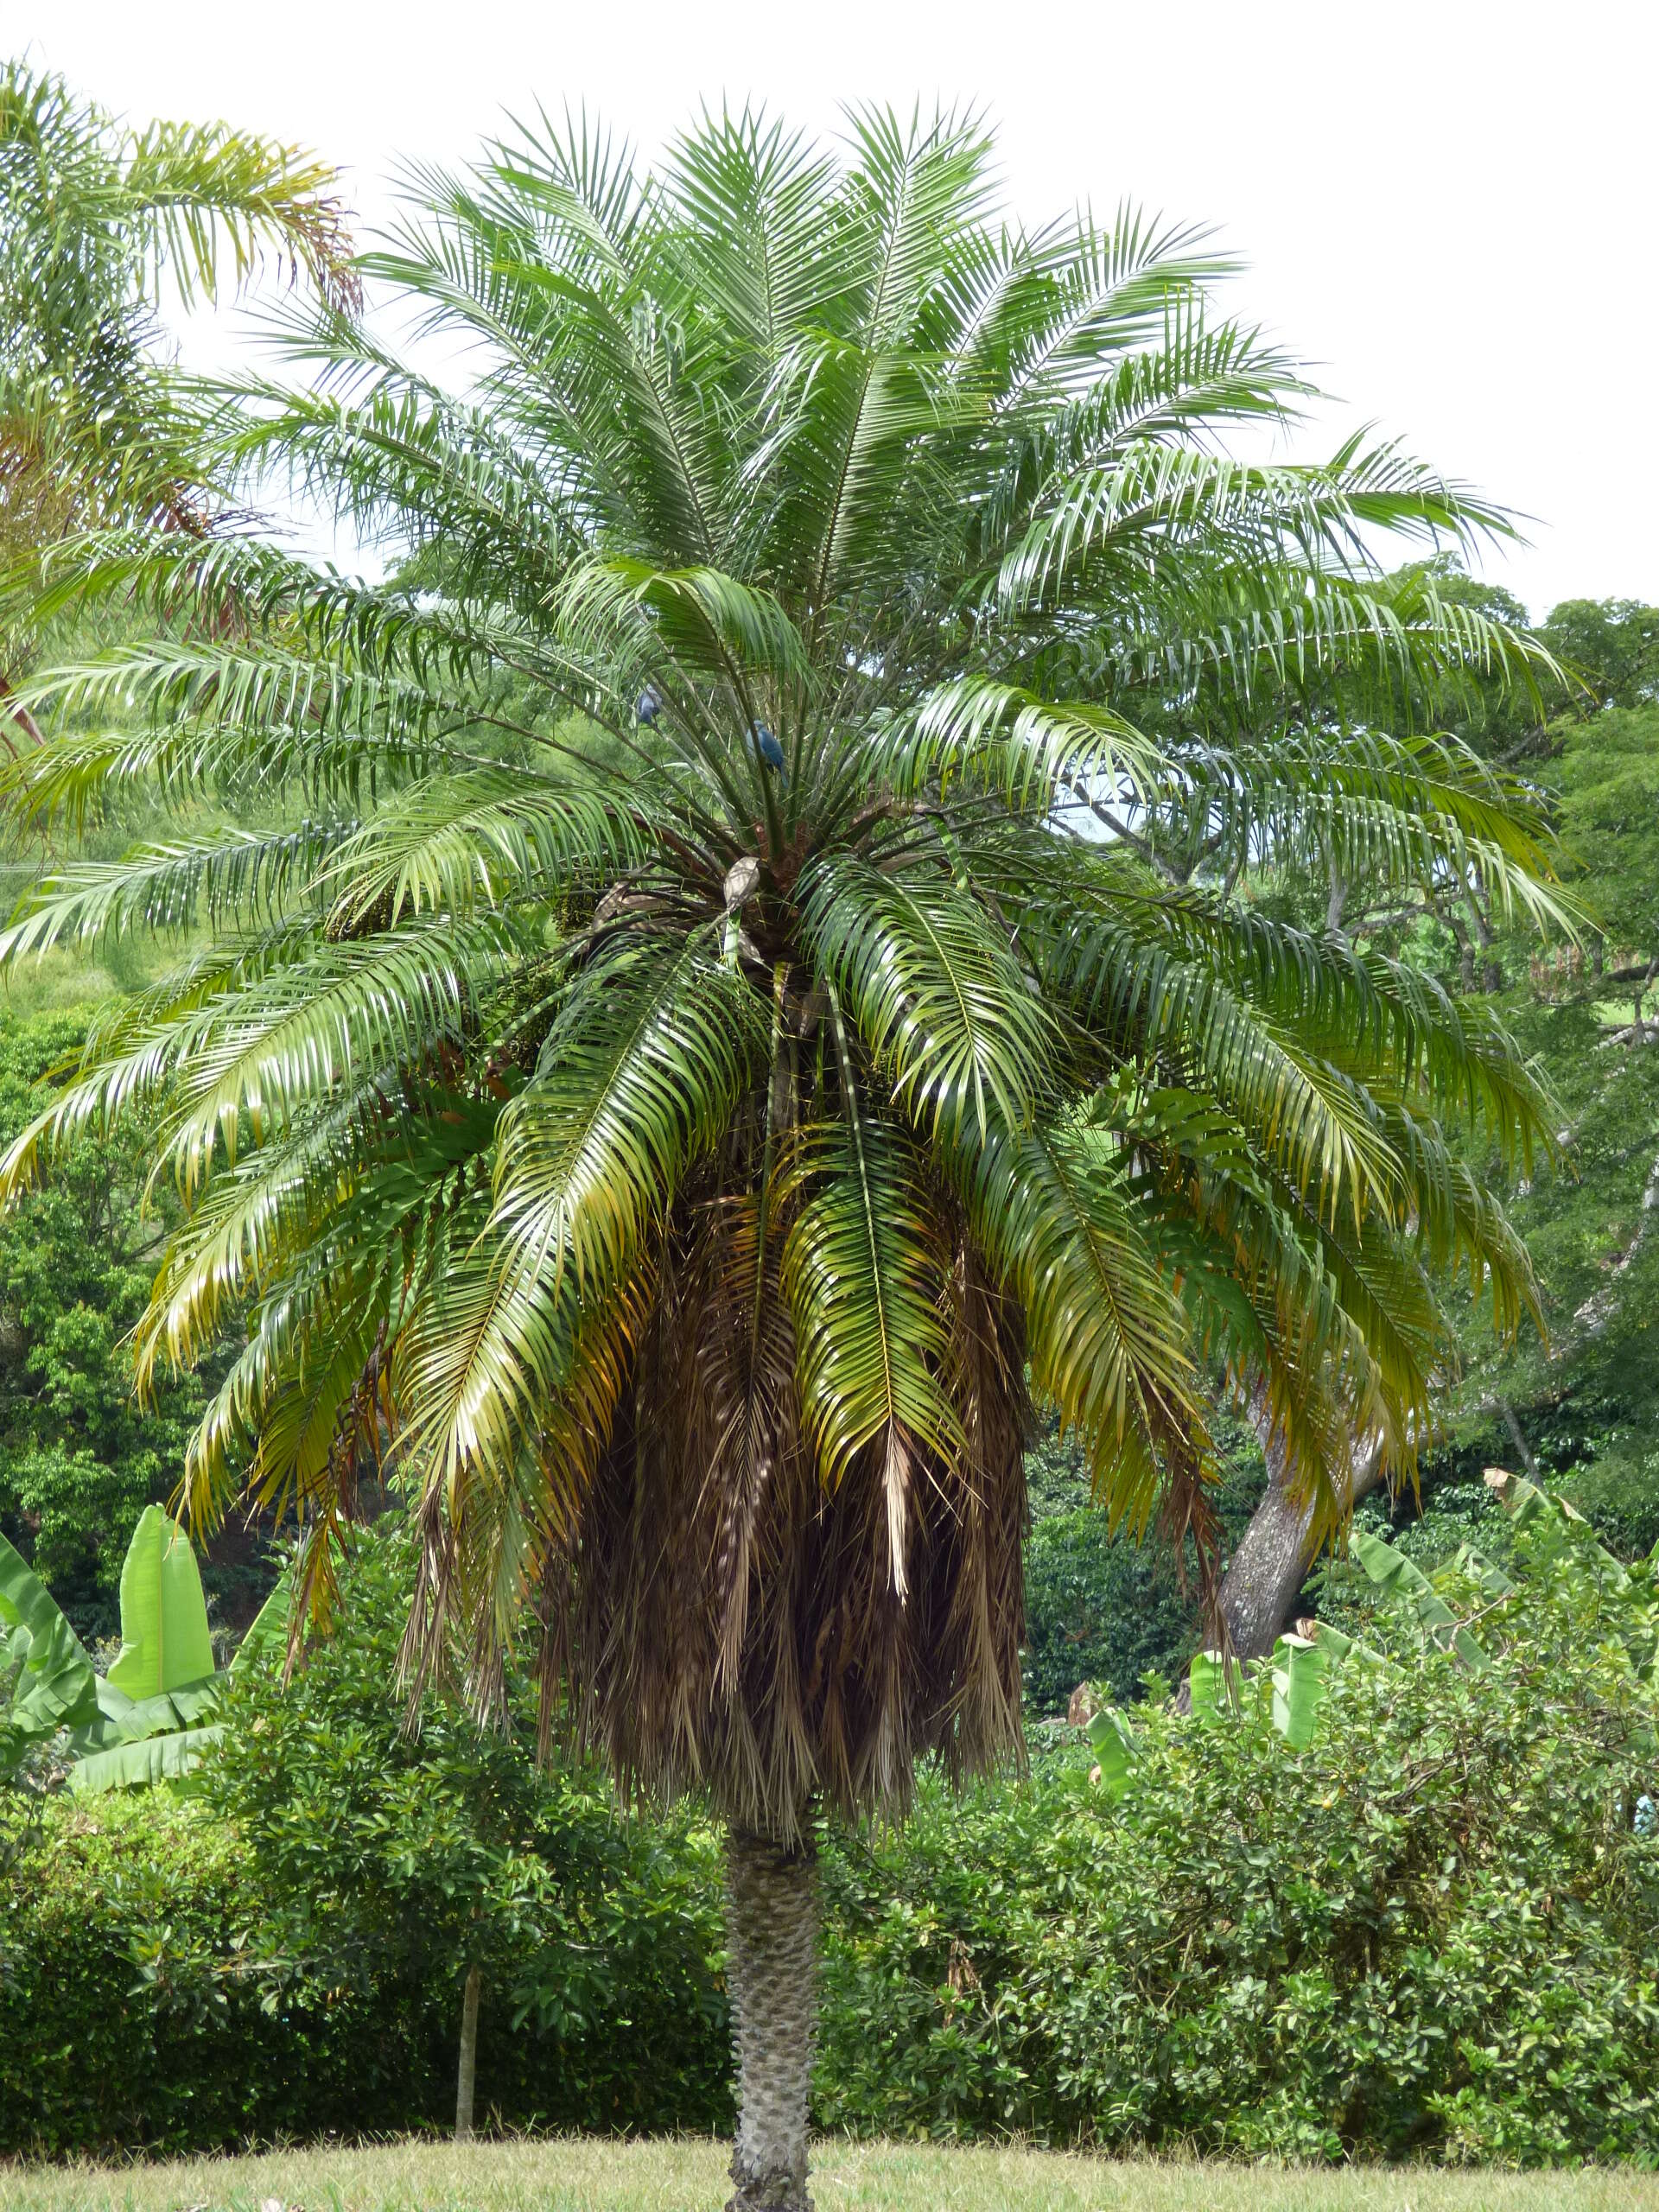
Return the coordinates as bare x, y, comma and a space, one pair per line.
650, 705
770, 751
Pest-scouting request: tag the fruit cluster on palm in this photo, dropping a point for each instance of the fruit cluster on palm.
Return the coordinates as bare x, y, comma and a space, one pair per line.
740, 967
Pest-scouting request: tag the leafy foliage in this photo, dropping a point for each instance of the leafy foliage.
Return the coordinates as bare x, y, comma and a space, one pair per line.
78, 1462
152, 1717
395, 1860
94, 219
1428, 1933
1588, 1400
285, 1958
46, 1678
1100, 1607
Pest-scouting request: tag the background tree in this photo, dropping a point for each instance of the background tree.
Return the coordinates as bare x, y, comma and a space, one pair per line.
77, 1461
719, 1004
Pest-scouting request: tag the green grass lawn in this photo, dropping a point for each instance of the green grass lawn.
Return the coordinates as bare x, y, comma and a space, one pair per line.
681, 2176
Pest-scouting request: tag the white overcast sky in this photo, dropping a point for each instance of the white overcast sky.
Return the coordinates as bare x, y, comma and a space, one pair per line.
1449, 210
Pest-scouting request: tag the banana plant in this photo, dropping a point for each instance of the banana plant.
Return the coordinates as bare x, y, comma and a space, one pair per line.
1558, 1540
156, 1707
1215, 1687
151, 1718
1626, 1598
1300, 1665
47, 1681
1401, 1578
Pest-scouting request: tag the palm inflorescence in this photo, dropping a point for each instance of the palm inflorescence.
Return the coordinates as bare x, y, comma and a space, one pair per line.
741, 975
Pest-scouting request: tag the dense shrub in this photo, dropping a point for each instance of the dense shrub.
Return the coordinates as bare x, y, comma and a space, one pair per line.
394, 1861
1436, 1934
282, 1952
141, 2007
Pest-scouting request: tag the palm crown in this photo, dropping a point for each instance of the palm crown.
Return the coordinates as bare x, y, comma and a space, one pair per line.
740, 967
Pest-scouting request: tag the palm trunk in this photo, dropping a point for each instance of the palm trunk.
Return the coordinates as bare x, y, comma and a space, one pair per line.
469, 2073
771, 1928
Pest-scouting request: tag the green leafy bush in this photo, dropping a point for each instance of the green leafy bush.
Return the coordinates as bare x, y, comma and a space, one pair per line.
281, 1954
1433, 1934
392, 1860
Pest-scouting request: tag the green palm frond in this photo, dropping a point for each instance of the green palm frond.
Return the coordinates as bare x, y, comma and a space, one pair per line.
1053, 1210
865, 1271
648, 1060
937, 993
1030, 749
218, 877
479, 838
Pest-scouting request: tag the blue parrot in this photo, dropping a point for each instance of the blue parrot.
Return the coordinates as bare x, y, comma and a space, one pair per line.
650, 705
770, 751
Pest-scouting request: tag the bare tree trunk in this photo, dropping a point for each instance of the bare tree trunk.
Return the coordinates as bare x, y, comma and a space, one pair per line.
771, 1935
1335, 901
469, 2075
1271, 1563
1517, 1437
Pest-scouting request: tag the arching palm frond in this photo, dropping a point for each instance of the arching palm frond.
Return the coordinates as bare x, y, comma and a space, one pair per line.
96, 220
730, 957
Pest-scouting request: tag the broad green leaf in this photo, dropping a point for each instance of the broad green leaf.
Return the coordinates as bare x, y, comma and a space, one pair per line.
55, 1687
1298, 1688
1114, 1748
1400, 1577
164, 1639
138, 1766
268, 1631
1484, 1572
1209, 1686
1554, 1524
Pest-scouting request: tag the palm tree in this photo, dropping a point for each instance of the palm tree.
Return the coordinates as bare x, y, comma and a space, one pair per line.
94, 218
742, 968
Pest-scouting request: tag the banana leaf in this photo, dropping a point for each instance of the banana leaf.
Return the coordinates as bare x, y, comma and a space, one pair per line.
1114, 1748
1299, 1672
1209, 1686
268, 1631
1485, 1573
165, 1645
1339, 1647
123, 1719
1556, 1527
138, 1765
52, 1684
1398, 1577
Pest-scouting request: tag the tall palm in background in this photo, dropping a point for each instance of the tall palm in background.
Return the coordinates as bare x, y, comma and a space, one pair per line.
741, 970
95, 220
